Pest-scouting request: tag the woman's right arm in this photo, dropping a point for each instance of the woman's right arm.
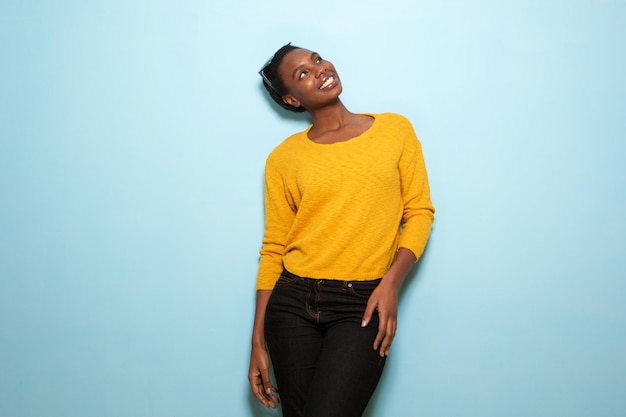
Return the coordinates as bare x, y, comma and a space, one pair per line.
259, 374
279, 215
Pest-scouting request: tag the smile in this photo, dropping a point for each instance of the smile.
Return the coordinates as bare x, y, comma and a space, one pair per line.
327, 83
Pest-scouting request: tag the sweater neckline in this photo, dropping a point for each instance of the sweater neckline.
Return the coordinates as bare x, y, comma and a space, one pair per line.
352, 139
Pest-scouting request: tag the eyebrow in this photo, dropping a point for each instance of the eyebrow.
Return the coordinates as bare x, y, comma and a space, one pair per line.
293, 75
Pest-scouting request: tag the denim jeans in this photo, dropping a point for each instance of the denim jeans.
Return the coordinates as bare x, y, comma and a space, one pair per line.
323, 360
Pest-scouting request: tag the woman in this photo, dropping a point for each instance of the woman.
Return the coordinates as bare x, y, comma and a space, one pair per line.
348, 212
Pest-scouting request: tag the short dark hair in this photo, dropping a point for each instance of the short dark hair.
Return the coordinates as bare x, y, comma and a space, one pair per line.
272, 81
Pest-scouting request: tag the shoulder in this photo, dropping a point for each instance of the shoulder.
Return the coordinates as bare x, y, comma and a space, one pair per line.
393, 119
395, 127
288, 149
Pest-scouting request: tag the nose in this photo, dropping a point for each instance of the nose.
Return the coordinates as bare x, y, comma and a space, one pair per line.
320, 69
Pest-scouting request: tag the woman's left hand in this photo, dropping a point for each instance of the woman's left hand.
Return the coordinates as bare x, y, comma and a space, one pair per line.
384, 299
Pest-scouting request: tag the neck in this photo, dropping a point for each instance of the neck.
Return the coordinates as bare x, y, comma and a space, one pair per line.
331, 117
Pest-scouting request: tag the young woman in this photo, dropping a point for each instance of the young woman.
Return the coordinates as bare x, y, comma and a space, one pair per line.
347, 213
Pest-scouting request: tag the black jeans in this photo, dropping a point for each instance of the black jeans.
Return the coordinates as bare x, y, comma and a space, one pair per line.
323, 360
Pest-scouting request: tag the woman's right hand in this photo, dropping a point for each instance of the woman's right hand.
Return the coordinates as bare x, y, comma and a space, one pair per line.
259, 377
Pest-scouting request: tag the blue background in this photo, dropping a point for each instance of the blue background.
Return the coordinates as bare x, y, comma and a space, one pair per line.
133, 140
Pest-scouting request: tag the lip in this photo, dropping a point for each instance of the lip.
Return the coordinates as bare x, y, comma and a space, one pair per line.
328, 82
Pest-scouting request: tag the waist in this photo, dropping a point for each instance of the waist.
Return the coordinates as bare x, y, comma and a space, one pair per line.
330, 280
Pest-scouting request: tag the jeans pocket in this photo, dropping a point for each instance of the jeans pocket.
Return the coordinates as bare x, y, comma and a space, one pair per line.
363, 289
286, 279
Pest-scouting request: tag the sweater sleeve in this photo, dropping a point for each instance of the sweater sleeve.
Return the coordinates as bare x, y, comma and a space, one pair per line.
418, 215
279, 215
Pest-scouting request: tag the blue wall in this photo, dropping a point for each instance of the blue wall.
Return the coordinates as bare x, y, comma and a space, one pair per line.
133, 140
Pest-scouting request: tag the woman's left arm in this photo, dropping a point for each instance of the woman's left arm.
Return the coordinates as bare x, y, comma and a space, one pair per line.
385, 299
417, 221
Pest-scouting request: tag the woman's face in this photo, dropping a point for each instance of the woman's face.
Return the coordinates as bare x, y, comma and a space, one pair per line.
311, 81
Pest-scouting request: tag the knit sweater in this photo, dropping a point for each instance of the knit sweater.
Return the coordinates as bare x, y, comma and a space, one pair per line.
342, 210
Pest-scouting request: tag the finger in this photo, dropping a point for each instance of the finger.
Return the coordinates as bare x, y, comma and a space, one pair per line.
382, 330
369, 311
256, 386
259, 390
389, 336
262, 398
268, 388
267, 400
271, 396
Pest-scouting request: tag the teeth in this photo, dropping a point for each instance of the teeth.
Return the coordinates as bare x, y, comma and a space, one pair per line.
327, 82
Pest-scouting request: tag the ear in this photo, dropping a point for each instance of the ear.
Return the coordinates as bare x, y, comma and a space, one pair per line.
292, 101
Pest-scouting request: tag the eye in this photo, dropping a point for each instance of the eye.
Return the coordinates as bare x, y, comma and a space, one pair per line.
318, 59
302, 74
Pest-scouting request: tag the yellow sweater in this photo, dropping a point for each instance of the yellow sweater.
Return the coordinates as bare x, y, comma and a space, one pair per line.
342, 210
